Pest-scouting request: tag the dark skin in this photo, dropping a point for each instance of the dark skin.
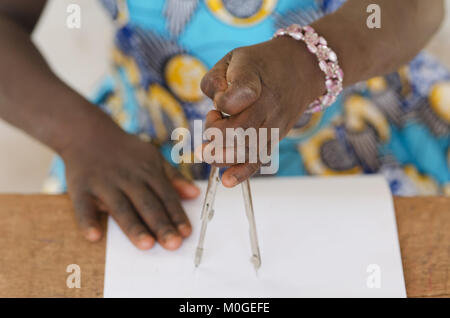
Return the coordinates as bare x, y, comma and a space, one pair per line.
107, 169
271, 84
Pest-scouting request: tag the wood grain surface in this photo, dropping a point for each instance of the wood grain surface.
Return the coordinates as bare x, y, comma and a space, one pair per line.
39, 239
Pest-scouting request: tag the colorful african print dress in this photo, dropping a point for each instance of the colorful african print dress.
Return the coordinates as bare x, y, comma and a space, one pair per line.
397, 125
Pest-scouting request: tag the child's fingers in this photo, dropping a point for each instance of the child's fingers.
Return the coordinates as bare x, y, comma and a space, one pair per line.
251, 117
239, 173
153, 212
215, 80
244, 85
87, 216
221, 157
184, 187
123, 212
233, 83
167, 195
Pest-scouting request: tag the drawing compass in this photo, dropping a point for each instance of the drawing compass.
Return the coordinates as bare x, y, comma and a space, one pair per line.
208, 212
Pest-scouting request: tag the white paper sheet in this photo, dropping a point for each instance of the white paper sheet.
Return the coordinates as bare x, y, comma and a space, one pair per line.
319, 237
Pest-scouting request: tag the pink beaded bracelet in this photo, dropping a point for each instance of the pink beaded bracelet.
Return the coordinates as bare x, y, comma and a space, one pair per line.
328, 63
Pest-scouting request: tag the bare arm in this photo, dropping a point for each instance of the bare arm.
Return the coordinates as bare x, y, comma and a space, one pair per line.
406, 27
31, 96
107, 169
271, 84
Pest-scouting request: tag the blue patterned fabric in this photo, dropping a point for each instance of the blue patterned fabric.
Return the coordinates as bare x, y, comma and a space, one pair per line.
397, 125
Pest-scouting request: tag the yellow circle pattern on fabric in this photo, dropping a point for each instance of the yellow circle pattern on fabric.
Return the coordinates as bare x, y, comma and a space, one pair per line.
310, 151
218, 8
161, 101
360, 111
377, 84
183, 75
129, 65
440, 100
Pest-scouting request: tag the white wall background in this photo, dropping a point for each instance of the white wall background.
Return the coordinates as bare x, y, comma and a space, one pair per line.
80, 58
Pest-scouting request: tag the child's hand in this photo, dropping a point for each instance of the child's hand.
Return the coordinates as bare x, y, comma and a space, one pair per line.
129, 179
266, 85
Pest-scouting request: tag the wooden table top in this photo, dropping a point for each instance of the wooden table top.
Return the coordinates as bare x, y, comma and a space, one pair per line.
39, 239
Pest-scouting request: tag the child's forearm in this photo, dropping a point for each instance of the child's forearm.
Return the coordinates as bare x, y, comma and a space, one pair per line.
35, 100
406, 26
